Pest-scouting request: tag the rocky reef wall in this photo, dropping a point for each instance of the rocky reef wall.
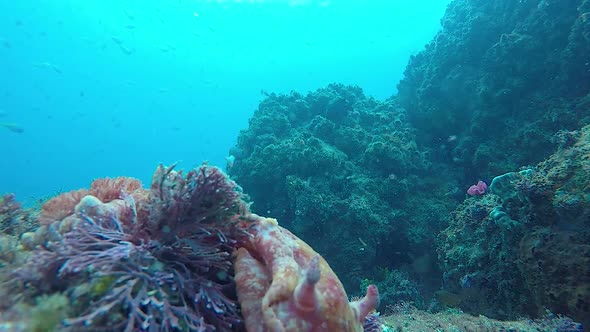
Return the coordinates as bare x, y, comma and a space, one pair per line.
502, 76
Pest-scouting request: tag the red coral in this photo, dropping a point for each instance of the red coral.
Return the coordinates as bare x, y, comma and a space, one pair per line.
108, 189
61, 206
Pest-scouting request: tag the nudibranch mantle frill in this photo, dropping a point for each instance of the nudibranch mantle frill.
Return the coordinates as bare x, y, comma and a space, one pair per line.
284, 285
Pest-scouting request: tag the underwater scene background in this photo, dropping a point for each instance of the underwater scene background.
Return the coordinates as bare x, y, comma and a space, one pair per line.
83, 77
348, 165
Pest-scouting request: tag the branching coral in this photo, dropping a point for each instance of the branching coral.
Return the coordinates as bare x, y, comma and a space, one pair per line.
9, 211
205, 197
14, 220
168, 271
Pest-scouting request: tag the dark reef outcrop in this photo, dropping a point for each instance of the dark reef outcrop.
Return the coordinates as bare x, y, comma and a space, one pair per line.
341, 170
511, 81
503, 76
525, 246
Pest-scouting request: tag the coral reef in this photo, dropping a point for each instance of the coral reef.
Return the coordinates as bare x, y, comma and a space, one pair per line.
502, 77
163, 259
499, 88
396, 286
106, 190
524, 246
340, 170
501, 94
14, 220
169, 270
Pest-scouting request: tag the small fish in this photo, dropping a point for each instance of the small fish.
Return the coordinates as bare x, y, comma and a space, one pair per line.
48, 65
128, 14
55, 68
117, 40
6, 43
13, 127
130, 26
126, 50
167, 47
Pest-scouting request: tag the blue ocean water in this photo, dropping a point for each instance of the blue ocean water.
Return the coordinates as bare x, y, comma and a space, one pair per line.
94, 88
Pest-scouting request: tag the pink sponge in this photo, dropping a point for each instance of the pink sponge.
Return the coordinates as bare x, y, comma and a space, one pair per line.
478, 189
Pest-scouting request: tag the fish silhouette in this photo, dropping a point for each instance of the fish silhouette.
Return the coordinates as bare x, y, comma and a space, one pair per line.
13, 127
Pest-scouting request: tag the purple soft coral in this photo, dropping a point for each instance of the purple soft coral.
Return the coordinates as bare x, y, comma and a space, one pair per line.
169, 270
373, 323
204, 198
